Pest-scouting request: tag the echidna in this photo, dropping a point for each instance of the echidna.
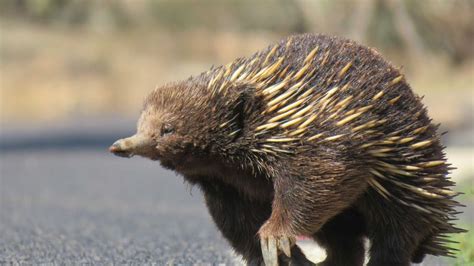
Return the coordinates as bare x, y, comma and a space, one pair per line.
315, 136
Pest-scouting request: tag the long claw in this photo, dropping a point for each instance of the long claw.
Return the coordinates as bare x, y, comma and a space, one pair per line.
272, 246
269, 251
285, 246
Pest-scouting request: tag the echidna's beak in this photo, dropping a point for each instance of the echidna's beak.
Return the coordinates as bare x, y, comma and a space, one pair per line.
127, 147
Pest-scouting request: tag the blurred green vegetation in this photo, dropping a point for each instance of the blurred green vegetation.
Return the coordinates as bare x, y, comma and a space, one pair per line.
467, 247
465, 243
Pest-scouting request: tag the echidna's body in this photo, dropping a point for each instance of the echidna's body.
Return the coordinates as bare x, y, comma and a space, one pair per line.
314, 136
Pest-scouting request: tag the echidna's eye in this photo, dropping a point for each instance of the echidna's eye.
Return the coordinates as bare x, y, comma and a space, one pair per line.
167, 129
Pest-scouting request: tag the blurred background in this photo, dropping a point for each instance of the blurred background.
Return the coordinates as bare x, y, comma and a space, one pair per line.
73, 74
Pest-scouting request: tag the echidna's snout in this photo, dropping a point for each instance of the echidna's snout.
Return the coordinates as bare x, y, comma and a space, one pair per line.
118, 149
134, 145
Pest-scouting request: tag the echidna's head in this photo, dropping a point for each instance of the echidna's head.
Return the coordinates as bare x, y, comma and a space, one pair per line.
177, 127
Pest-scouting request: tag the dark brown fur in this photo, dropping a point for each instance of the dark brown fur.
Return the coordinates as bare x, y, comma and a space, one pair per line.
257, 183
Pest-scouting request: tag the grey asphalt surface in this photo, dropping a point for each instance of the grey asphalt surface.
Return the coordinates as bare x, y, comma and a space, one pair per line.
65, 200
86, 206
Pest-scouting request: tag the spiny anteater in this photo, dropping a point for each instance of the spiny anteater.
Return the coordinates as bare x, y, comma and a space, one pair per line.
315, 136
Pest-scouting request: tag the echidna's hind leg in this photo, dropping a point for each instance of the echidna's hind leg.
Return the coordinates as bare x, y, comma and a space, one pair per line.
343, 239
419, 254
395, 232
389, 248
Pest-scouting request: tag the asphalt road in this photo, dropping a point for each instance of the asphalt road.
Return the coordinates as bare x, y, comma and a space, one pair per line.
91, 207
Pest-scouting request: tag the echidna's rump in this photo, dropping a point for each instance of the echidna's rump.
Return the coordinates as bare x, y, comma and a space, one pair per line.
315, 136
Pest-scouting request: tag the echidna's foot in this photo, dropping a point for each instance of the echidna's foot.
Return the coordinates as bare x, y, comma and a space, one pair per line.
273, 245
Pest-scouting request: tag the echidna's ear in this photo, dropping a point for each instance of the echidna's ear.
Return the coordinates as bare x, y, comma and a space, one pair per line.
244, 95
244, 104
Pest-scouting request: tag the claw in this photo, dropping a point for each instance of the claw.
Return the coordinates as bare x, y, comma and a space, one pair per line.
269, 251
272, 245
285, 246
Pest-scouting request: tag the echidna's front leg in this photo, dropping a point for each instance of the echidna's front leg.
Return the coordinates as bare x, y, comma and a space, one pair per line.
239, 218
277, 235
303, 203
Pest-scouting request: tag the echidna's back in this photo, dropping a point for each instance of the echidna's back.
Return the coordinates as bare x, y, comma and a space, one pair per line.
408, 163
320, 90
